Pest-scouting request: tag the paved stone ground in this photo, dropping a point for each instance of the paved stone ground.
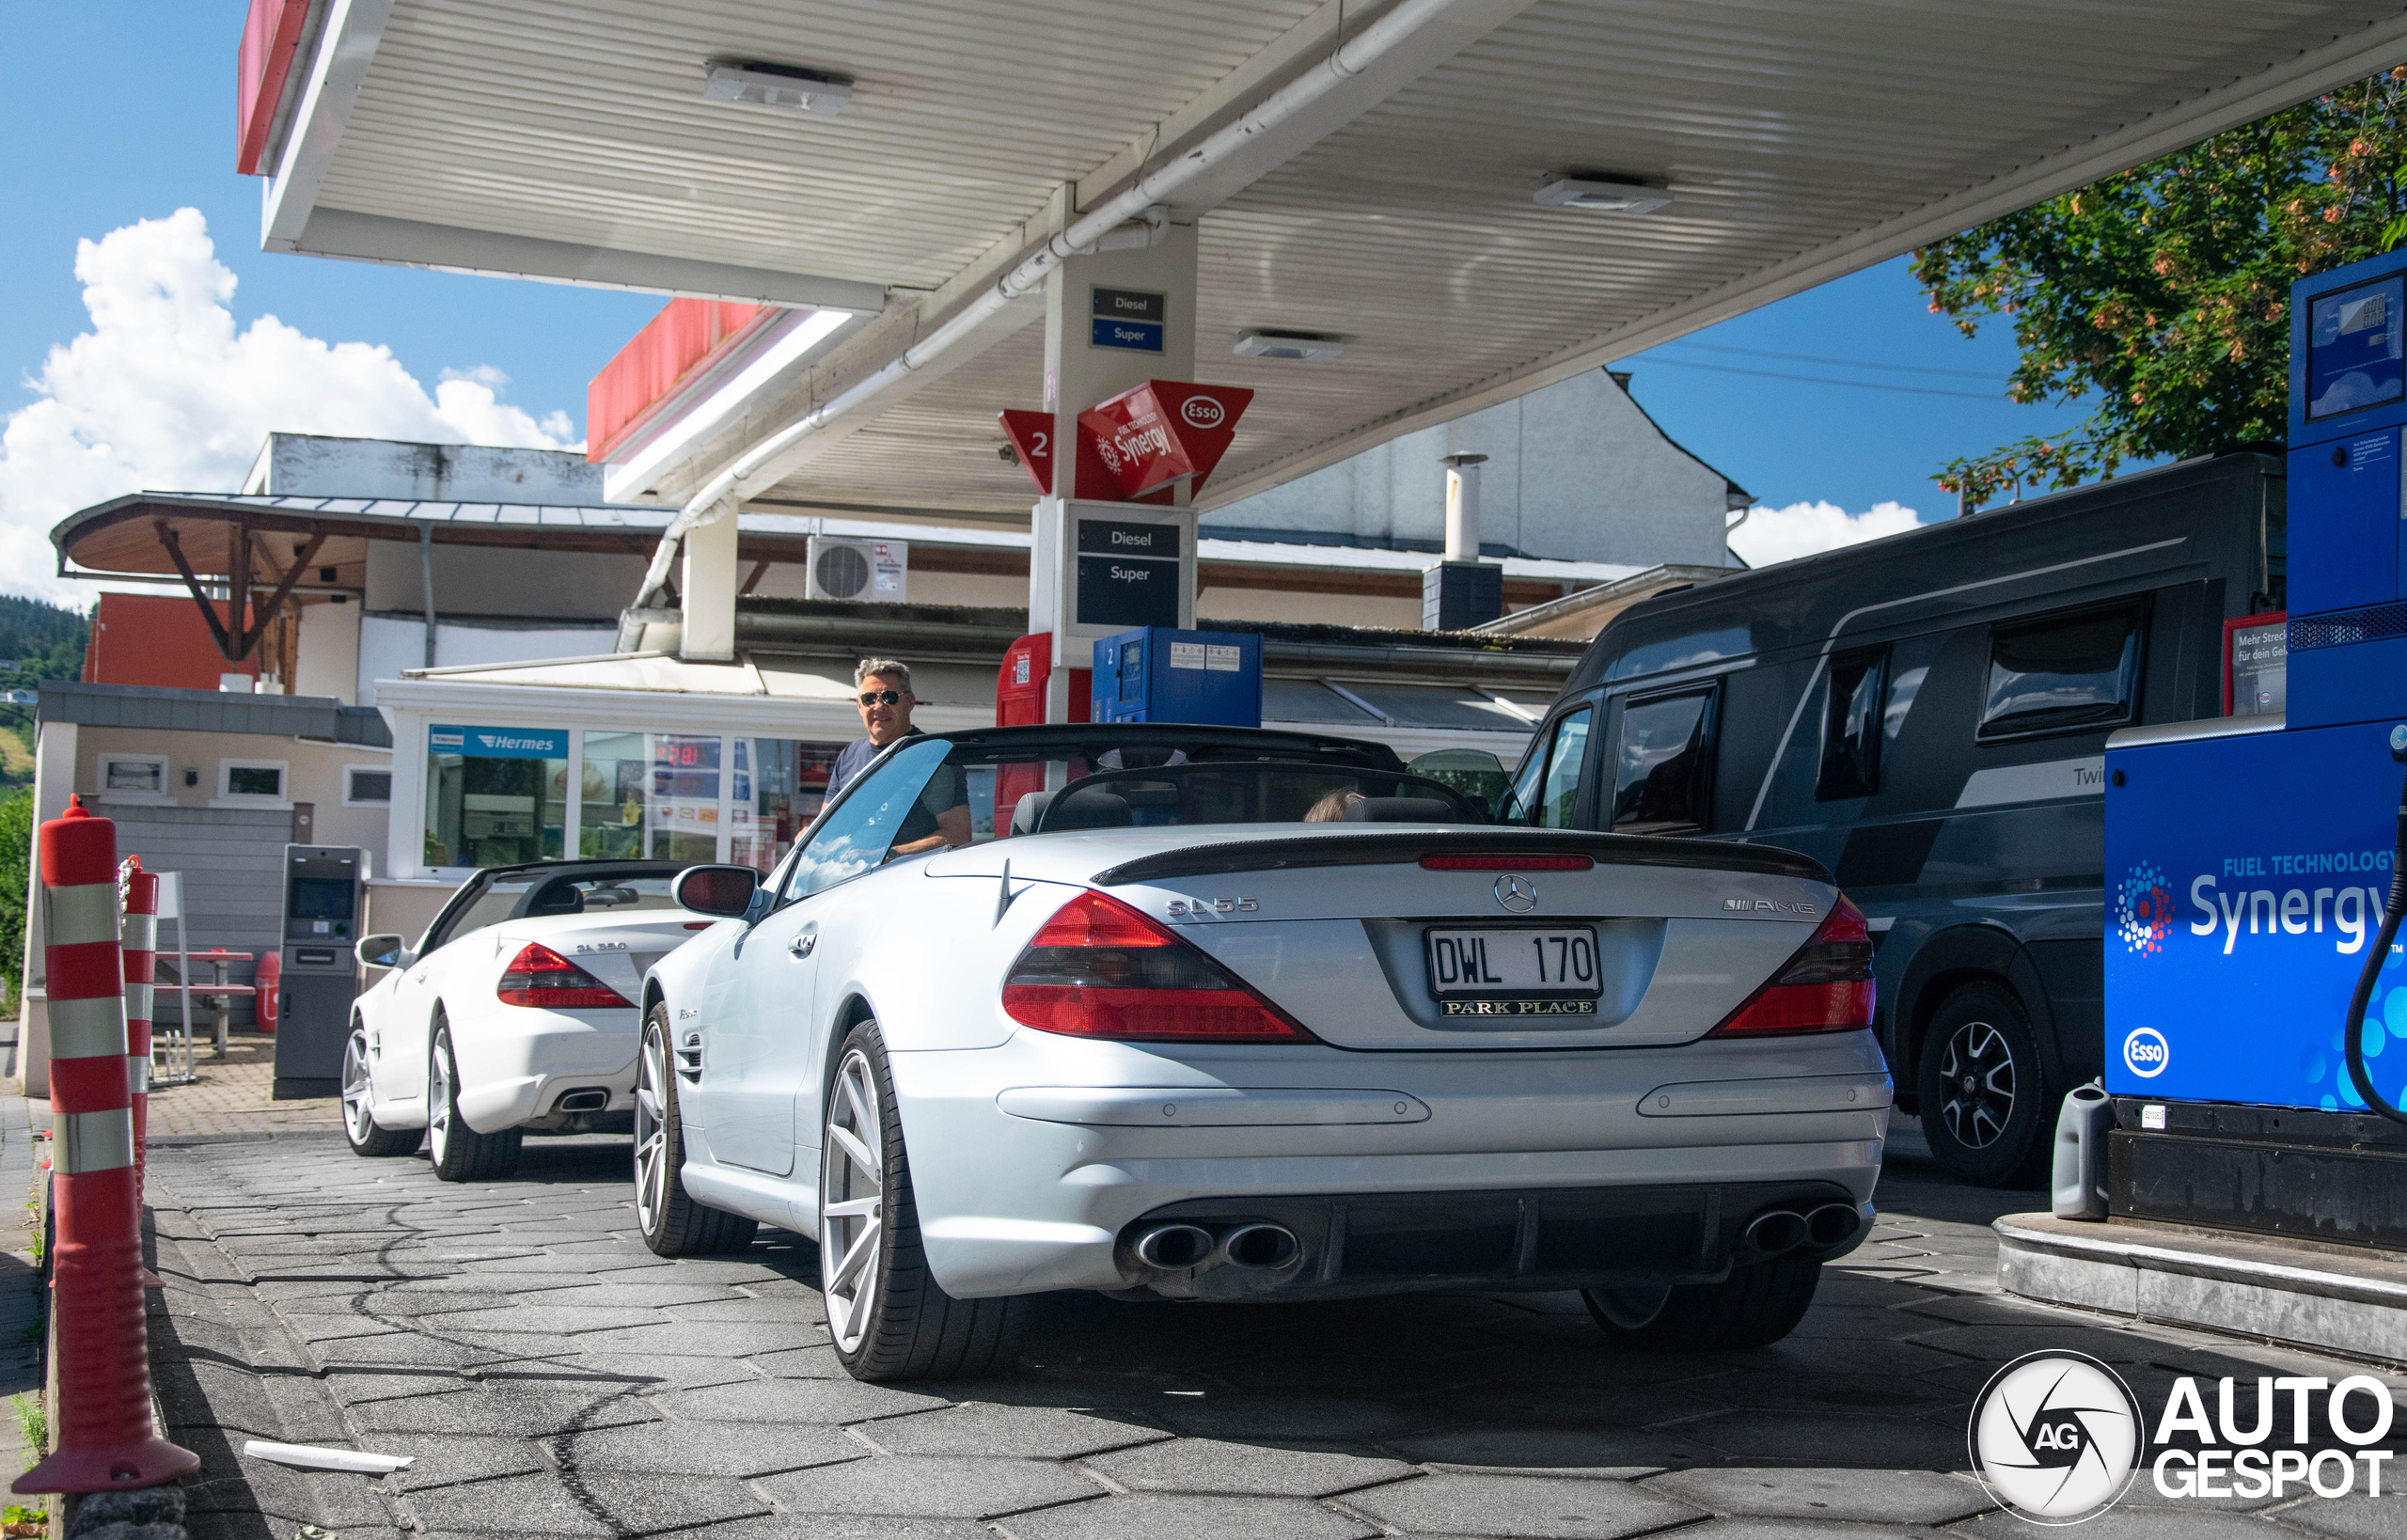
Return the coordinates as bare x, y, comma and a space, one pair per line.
553, 1377
232, 1096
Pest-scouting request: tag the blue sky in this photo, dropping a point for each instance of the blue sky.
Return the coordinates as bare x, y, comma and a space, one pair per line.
125, 110
1851, 395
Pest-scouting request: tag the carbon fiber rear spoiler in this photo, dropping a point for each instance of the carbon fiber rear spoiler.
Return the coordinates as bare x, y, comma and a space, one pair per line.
1395, 849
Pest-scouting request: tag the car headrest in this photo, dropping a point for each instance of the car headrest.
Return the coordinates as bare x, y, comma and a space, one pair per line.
1029, 812
558, 897
1401, 809
1088, 811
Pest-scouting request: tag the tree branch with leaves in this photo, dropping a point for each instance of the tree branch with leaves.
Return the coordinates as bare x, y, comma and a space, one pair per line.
2163, 292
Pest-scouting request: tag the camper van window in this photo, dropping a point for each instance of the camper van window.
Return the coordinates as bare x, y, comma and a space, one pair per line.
1851, 727
1664, 766
1559, 793
2066, 673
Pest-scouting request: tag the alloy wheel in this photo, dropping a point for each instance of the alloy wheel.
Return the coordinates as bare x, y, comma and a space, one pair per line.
438, 1098
1976, 1067
651, 1133
852, 1190
356, 1116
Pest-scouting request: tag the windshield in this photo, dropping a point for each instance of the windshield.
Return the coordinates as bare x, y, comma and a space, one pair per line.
1158, 779
569, 888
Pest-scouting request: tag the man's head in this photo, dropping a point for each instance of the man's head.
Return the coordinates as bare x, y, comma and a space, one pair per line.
882, 689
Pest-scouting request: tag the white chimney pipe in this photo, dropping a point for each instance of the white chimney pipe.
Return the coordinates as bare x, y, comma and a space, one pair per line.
1462, 505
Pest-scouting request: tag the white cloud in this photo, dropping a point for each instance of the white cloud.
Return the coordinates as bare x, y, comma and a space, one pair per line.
163, 393
1780, 534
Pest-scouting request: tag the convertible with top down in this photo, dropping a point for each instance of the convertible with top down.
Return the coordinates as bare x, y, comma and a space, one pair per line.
1234, 1015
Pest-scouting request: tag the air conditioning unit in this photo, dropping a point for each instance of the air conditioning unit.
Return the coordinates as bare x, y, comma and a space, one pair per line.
851, 568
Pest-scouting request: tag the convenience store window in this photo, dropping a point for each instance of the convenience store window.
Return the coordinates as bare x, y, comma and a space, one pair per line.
494, 796
780, 786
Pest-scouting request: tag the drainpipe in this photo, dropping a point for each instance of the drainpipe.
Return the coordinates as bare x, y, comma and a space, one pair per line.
1099, 230
426, 581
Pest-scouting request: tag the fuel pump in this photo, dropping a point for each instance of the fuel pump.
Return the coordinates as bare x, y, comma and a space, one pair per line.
2255, 1000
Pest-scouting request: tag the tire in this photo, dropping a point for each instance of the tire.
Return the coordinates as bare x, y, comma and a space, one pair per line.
1755, 1306
889, 1319
673, 1224
360, 1129
1984, 1100
460, 1154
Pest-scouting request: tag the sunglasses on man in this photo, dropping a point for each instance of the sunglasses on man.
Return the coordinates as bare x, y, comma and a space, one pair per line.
881, 697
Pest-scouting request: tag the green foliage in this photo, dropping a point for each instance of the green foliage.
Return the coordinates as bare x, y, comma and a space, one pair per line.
16, 871
2163, 292
40, 640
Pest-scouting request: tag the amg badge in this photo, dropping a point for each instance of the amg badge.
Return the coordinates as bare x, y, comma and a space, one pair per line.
1768, 906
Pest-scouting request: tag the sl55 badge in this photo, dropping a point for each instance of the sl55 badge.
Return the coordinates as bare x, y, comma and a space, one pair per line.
1203, 908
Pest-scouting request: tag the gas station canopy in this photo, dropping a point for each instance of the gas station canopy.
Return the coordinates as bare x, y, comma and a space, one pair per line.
1392, 207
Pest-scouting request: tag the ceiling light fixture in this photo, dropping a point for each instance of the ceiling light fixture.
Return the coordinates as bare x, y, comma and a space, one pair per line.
1266, 342
1603, 194
775, 85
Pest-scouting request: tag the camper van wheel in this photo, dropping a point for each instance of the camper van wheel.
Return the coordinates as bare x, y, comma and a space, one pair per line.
1982, 1090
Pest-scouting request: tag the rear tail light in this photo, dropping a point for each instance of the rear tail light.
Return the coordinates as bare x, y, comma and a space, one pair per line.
1507, 863
1826, 987
540, 975
1099, 969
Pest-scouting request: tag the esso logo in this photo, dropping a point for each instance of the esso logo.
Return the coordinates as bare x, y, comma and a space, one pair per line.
1202, 412
2145, 1053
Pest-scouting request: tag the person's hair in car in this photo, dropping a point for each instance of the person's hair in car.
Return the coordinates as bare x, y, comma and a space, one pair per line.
868, 668
1331, 809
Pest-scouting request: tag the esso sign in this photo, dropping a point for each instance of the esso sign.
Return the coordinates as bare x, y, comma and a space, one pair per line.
2146, 1052
1201, 411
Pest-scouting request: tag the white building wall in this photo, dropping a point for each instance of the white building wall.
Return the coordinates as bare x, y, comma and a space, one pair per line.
327, 661
389, 644
1575, 472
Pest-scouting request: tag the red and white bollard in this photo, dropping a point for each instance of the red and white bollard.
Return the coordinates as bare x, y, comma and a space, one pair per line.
103, 1438
139, 892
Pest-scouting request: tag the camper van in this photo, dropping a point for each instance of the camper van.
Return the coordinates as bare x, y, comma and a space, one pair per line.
1927, 715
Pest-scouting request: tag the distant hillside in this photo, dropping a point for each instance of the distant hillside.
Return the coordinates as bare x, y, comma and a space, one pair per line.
40, 640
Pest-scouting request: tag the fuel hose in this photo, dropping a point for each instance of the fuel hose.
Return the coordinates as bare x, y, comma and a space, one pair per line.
2370, 975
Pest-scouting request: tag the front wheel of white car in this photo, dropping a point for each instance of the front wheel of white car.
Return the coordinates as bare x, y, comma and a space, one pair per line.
1753, 1306
673, 1223
460, 1154
889, 1318
359, 1126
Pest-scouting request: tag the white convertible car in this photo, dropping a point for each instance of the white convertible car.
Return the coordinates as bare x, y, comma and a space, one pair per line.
517, 1011
1162, 1027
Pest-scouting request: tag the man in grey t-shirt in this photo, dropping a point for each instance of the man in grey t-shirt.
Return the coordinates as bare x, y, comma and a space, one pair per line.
881, 692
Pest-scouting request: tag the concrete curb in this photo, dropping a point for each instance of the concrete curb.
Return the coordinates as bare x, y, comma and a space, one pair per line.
2337, 1299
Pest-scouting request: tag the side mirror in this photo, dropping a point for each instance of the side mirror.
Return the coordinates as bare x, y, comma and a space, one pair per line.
384, 951
724, 892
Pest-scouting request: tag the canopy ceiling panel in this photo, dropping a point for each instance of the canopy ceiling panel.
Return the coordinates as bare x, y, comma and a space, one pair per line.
1798, 140
588, 124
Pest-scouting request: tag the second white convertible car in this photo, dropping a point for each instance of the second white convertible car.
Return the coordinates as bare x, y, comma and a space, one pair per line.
517, 1011
1226, 1015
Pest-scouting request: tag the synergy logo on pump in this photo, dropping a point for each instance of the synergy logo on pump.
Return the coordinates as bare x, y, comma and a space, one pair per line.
2144, 909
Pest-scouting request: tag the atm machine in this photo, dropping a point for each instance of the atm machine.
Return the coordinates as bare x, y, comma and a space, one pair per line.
324, 886
2248, 858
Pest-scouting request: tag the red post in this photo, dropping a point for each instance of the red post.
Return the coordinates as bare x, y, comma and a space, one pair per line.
139, 890
104, 1438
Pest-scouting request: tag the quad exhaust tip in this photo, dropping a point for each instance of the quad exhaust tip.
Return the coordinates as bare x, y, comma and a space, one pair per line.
1260, 1247
1175, 1247
1832, 1223
1776, 1230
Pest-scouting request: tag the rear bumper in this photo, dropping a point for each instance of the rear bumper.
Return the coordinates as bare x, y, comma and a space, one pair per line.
1545, 1160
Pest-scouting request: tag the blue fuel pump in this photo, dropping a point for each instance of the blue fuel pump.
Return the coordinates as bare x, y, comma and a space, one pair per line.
2255, 1002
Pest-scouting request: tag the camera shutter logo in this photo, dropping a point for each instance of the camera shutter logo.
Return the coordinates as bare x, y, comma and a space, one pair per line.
1202, 412
2145, 1053
2057, 1437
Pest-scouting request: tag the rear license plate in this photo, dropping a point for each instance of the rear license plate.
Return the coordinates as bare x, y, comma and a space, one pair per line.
1514, 972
